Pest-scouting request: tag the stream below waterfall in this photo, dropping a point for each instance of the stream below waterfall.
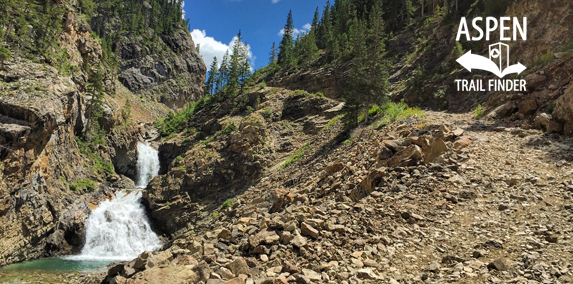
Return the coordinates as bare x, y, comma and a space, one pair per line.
117, 230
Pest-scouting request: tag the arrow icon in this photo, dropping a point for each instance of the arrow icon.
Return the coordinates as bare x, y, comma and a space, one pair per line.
472, 61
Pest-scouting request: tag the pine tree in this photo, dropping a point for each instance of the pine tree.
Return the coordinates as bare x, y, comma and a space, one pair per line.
325, 28
223, 73
245, 65
309, 46
273, 55
408, 11
377, 74
315, 23
235, 65
357, 76
285, 57
210, 86
126, 111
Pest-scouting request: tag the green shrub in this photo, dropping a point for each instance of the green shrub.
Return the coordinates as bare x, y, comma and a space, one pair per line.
267, 112
545, 60
227, 204
373, 111
457, 51
83, 184
126, 111
440, 94
479, 111
567, 47
176, 123
549, 108
90, 150
393, 111
229, 128
262, 84
332, 121
179, 158
299, 153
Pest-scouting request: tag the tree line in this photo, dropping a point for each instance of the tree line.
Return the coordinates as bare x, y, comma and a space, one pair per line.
355, 31
233, 72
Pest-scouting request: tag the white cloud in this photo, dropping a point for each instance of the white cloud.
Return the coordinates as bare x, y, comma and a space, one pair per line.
304, 29
210, 47
276, 1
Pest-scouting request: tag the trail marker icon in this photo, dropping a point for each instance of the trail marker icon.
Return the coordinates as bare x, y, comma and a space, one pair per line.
499, 54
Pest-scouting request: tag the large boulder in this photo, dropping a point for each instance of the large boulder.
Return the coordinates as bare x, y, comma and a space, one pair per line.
563, 111
431, 147
503, 110
528, 107
545, 122
535, 81
408, 157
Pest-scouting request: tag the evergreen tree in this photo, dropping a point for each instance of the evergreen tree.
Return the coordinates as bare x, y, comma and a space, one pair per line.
285, 57
377, 74
235, 65
245, 65
325, 28
210, 86
357, 75
223, 73
273, 55
309, 46
315, 24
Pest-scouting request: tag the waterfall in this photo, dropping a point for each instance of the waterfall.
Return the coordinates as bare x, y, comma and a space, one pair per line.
147, 164
118, 230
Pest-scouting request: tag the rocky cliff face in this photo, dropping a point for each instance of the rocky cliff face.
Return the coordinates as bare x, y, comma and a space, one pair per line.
227, 151
40, 113
164, 66
329, 81
66, 135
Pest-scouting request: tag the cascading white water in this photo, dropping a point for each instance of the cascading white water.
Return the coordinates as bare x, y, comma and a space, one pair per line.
118, 230
147, 164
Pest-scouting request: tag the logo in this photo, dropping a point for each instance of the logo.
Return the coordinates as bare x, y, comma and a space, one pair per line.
498, 62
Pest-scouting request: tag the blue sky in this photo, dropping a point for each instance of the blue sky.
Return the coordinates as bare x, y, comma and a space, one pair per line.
214, 24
